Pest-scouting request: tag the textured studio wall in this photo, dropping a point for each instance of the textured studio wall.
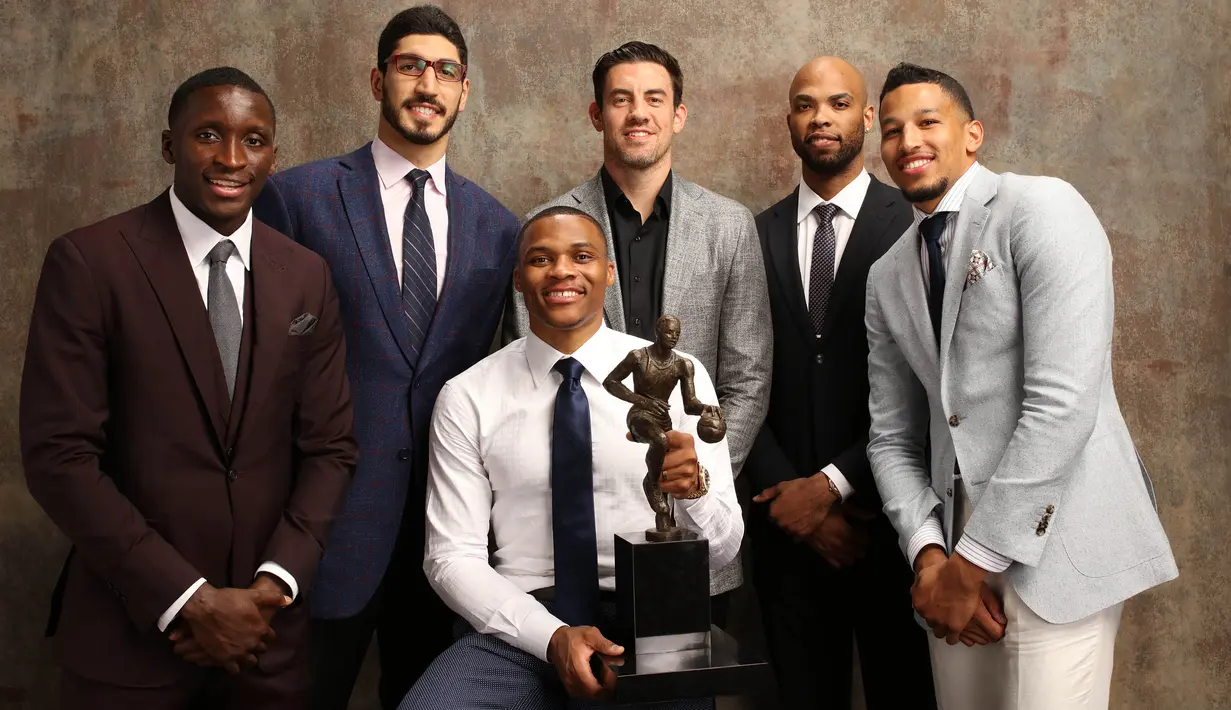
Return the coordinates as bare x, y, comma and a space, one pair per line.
1127, 99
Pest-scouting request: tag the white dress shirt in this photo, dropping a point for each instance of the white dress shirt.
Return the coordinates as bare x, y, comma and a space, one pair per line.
849, 201
490, 472
199, 239
395, 193
931, 532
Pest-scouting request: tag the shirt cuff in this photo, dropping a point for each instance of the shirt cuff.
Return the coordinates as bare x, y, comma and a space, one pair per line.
984, 557
280, 572
174, 610
845, 489
534, 634
930, 533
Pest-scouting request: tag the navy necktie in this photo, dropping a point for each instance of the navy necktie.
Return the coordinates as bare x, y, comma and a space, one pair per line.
572, 501
418, 264
820, 278
931, 229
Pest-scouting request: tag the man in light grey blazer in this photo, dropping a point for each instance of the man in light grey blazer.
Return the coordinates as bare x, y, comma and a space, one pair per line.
997, 443
679, 249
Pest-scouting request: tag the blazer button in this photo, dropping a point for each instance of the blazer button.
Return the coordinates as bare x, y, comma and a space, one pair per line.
949, 492
232, 475
230, 453
404, 455
820, 359
953, 420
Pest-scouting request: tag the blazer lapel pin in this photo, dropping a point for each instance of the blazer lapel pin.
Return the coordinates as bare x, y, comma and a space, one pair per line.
302, 325
979, 265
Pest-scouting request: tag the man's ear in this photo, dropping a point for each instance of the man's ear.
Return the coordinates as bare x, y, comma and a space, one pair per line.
378, 83
596, 117
167, 155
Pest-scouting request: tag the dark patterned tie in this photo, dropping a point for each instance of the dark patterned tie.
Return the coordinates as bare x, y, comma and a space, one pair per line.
572, 501
418, 264
223, 309
931, 229
820, 279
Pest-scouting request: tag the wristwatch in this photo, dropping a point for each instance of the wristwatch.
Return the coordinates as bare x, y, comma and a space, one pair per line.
703, 484
833, 488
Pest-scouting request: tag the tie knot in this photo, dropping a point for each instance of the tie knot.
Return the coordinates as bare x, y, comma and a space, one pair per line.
932, 227
418, 178
570, 368
221, 252
826, 211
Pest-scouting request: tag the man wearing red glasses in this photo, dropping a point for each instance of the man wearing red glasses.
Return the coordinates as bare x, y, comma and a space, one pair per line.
422, 258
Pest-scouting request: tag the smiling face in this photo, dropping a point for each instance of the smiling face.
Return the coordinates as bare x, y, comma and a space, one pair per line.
829, 115
420, 109
927, 141
222, 147
563, 274
637, 118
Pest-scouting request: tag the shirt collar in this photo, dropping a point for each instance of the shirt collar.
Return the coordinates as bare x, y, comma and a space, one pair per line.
393, 168
849, 199
599, 355
613, 193
200, 238
952, 201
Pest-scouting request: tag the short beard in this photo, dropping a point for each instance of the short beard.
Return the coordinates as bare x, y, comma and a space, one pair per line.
927, 193
413, 135
849, 148
641, 162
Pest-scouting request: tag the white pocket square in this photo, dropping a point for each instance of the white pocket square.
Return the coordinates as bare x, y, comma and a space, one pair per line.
979, 266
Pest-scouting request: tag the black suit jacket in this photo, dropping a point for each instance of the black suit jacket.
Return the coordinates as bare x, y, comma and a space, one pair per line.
818, 403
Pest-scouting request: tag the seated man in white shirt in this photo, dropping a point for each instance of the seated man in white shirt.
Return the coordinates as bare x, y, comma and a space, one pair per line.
525, 496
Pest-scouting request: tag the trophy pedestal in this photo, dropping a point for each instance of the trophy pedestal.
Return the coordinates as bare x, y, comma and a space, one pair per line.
671, 651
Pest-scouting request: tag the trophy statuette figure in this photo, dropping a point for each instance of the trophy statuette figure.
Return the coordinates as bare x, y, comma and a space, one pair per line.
656, 370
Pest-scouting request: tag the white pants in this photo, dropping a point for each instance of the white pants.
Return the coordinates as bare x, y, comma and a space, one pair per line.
1036, 666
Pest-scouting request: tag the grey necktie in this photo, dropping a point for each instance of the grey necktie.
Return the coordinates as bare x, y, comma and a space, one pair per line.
820, 281
224, 311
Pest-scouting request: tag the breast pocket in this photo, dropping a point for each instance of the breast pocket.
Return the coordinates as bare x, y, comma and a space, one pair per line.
991, 307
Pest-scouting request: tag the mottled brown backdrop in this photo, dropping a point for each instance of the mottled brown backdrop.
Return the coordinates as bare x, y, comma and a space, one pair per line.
1127, 99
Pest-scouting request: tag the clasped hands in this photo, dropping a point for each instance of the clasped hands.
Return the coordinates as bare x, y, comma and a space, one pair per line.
808, 511
952, 597
228, 628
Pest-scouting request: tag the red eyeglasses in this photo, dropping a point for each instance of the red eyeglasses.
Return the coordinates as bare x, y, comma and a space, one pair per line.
414, 65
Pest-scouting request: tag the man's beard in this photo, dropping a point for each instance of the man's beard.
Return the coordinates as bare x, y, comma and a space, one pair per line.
642, 160
849, 147
418, 136
927, 193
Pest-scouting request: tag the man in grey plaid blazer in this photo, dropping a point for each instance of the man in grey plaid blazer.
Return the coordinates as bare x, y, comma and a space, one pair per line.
989, 328
679, 249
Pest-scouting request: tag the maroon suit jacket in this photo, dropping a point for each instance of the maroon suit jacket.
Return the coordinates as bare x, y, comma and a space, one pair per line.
131, 446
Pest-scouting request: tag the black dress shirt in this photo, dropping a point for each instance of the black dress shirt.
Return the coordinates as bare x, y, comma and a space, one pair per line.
641, 254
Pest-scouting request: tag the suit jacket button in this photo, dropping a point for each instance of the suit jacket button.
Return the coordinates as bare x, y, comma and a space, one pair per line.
949, 492
953, 420
230, 453
820, 359
404, 455
232, 475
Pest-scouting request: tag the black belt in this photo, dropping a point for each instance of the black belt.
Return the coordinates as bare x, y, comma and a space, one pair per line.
548, 594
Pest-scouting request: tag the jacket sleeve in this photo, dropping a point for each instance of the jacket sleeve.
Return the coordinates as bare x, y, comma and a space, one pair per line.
64, 412
745, 344
326, 451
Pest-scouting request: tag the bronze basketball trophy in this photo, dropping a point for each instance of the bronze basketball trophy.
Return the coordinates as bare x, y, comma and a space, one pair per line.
662, 575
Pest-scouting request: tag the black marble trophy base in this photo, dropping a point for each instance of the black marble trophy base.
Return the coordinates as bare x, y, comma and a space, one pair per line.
671, 651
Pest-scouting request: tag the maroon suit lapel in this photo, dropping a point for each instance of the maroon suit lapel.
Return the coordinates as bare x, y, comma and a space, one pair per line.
273, 301
160, 251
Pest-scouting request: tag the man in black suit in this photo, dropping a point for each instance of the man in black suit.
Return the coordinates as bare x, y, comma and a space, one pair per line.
827, 564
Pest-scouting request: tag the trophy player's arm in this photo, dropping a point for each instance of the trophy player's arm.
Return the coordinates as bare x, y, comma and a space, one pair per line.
614, 383
688, 389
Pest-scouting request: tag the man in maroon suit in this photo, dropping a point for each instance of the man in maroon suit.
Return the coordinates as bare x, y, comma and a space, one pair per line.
186, 421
